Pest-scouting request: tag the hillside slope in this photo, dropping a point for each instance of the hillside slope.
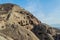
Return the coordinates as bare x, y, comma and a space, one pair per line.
18, 24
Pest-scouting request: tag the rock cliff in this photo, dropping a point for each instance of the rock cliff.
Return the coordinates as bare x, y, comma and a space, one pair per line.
18, 24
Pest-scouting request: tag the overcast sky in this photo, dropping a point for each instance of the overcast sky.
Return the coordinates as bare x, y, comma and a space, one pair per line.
48, 11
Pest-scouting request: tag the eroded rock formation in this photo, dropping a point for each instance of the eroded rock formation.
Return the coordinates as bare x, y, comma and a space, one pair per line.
18, 24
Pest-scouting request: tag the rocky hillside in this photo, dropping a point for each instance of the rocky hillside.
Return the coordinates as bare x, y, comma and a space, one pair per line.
18, 24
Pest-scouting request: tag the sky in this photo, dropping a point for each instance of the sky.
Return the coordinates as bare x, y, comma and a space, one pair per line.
47, 11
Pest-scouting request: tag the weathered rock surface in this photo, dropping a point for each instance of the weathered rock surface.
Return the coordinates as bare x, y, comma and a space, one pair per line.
18, 24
